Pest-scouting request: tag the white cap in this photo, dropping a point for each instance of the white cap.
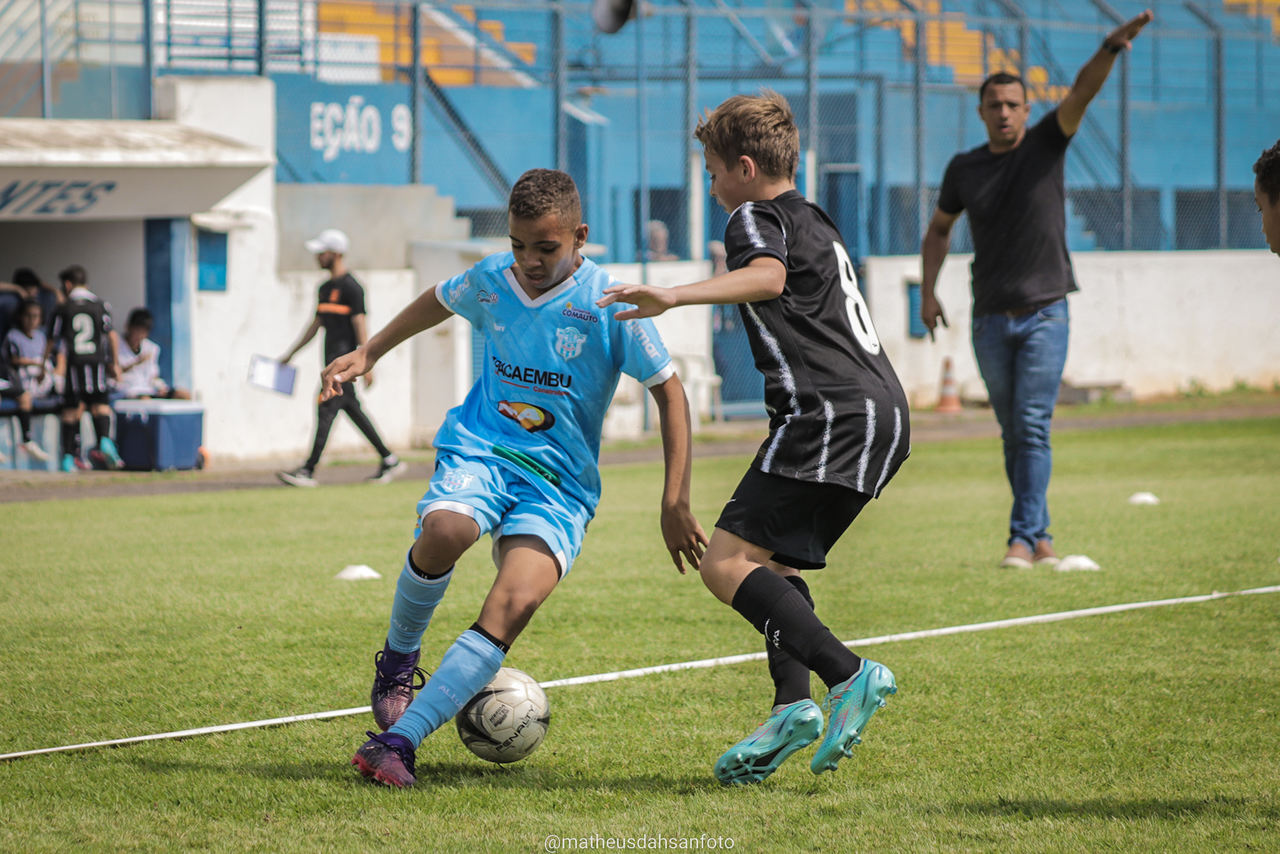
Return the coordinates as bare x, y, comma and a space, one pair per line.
329, 240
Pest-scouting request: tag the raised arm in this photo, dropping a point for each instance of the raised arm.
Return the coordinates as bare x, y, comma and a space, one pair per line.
933, 251
1094, 72
423, 313
680, 530
762, 279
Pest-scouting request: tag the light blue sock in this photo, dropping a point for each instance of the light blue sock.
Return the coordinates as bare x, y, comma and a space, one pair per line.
468, 665
415, 602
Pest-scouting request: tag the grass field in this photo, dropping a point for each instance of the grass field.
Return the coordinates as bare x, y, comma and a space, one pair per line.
1150, 730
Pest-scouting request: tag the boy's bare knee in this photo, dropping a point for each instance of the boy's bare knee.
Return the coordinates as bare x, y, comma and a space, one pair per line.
445, 536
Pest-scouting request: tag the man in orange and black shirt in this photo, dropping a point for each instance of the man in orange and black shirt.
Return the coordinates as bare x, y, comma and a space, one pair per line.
340, 312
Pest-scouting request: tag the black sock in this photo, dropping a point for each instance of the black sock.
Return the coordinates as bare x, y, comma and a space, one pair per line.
102, 426
790, 677
71, 438
24, 423
501, 645
779, 611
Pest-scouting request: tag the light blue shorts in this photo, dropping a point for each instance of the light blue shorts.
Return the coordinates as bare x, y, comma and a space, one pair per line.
505, 500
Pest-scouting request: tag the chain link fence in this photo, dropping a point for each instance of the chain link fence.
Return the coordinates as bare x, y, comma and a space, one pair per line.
466, 97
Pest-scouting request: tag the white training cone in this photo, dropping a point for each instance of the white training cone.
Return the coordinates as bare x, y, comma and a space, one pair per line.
1143, 498
358, 572
1077, 563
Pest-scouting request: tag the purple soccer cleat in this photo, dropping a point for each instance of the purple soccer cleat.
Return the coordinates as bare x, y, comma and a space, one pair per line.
396, 677
386, 758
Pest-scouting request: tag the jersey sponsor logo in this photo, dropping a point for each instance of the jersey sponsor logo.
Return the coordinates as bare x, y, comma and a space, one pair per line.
579, 314
637, 331
569, 342
486, 297
456, 480
530, 417
534, 376
454, 292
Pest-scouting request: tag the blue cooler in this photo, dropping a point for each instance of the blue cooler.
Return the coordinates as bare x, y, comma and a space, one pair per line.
159, 434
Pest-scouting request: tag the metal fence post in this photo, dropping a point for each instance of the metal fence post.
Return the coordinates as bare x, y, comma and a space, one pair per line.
260, 48
642, 154
149, 56
1219, 119
812, 105
882, 178
559, 87
1126, 180
694, 199
46, 75
917, 85
415, 94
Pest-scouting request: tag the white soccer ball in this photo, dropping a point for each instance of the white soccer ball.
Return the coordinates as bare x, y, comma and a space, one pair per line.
507, 720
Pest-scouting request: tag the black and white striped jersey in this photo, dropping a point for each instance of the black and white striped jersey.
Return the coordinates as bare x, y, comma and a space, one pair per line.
82, 325
837, 413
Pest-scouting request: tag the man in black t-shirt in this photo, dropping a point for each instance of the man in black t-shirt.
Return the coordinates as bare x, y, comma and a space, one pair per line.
838, 430
1012, 187
340, 312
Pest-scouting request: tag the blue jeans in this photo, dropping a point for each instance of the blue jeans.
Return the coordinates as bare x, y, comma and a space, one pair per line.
1021, 359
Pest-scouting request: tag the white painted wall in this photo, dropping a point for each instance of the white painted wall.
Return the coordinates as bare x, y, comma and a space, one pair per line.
686, 331
111, 251
1155, 321
242, 421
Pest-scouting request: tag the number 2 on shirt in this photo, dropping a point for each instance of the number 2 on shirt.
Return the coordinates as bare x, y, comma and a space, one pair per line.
859, 317
85, 341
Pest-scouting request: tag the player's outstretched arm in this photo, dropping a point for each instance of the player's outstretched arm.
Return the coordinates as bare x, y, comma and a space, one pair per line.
1094, 72
423, 313
683, 535
762, 279
303, 340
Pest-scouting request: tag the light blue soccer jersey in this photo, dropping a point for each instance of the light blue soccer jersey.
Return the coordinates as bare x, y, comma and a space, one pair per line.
550, 369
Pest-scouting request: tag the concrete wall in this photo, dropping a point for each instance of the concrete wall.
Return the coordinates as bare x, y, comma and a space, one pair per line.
382, 221
1158, 322
687, 333
111, 251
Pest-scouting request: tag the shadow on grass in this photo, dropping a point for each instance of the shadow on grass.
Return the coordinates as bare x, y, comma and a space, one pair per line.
445, 775
1121, 808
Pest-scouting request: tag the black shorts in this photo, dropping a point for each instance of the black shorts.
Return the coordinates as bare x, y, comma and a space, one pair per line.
800, 521
85, 384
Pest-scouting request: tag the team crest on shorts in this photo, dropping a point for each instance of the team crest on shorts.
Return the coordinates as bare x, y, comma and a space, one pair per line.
569, 341
455, 480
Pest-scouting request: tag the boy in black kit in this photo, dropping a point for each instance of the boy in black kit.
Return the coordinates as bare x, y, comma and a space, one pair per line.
340, 312
838, 429
82, 329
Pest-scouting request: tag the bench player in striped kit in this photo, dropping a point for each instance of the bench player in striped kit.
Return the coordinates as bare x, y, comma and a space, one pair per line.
82, 328
838, 429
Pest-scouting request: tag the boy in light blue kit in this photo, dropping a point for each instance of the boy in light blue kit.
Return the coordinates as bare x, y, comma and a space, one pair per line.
518, 458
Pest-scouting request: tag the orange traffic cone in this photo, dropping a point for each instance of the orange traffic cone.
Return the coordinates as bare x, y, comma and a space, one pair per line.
949, 396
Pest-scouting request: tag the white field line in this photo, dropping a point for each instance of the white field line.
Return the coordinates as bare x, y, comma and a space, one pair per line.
677, 666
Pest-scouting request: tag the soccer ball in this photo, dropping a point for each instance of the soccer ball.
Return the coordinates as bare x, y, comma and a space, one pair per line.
507, 720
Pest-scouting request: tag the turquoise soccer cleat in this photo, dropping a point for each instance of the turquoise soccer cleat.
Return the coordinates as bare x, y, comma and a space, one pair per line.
851, 704
109, 451
788, 729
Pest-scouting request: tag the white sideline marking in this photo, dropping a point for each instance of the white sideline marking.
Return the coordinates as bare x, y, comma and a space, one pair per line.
671, 668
